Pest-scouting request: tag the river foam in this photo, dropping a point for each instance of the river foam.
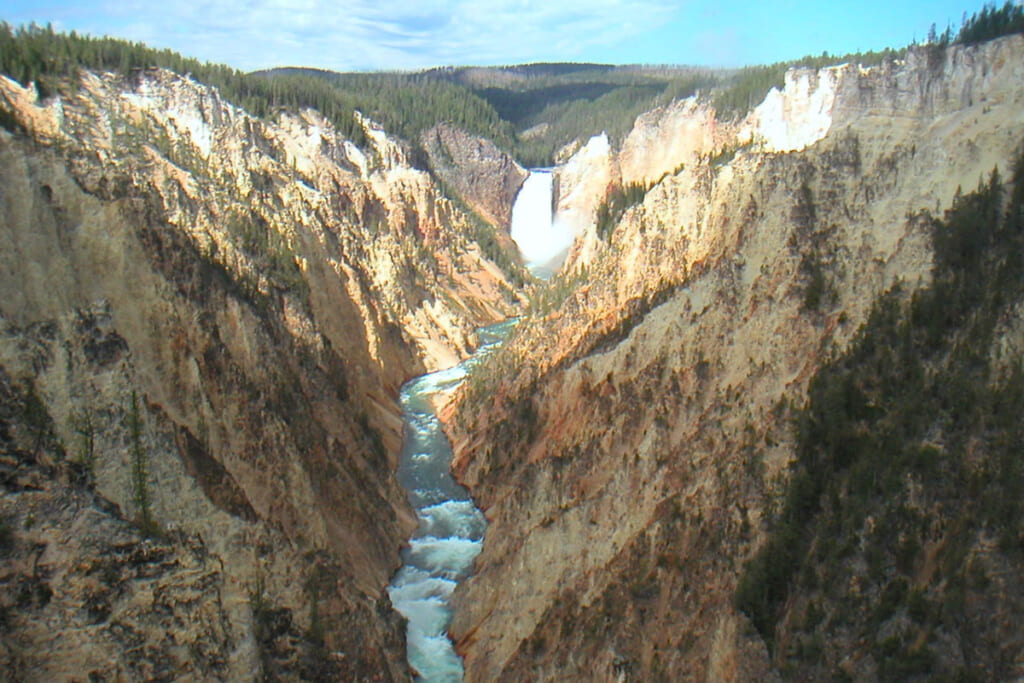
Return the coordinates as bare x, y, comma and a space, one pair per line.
451, 529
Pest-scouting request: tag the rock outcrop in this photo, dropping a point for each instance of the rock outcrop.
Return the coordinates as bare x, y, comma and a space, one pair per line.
630, 444
486, 178
204, 324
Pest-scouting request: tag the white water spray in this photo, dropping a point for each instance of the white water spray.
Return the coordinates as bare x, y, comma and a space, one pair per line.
542, 241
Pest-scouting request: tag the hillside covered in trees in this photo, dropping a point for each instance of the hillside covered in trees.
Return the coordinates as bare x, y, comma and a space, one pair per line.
531, 111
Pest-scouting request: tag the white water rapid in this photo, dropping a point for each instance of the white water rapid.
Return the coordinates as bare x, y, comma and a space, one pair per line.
542, 241
451, 529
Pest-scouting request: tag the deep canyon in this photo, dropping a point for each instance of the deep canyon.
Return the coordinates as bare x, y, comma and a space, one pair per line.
207, 319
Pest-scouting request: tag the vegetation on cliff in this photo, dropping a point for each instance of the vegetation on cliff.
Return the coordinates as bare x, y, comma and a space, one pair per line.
45, 57
748, 87
610, 211
531, 111
552, 106
992, 22
408, 103
567, 100
907, 477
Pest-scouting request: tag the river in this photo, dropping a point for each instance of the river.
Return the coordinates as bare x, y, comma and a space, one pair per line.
451, 528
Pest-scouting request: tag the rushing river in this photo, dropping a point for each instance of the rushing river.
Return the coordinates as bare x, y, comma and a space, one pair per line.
451, 529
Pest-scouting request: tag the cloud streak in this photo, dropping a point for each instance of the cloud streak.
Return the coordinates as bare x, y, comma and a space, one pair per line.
361, 34
408, 34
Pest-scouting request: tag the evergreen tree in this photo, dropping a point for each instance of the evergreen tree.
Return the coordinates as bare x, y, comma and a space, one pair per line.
991, 22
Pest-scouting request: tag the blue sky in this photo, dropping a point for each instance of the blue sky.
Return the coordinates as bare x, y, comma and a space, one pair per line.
409, 34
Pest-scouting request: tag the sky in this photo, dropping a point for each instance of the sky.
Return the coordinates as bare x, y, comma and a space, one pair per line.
348, 35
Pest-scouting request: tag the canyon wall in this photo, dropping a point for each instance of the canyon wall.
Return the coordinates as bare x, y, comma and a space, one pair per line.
631, 443
486, 178
204, 324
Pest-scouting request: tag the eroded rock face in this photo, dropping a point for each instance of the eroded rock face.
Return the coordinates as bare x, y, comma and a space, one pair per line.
582, 183
664, 139
813, 103
204, 323
484, 176
627, 446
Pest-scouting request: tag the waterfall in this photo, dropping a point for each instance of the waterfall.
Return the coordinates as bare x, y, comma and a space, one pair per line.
543, 242
451, 529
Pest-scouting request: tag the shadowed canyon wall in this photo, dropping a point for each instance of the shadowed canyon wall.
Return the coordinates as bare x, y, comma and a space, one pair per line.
631, 444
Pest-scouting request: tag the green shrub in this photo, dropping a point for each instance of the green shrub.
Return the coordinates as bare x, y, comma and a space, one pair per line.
81, 423
140, 472
611, 210
6, 537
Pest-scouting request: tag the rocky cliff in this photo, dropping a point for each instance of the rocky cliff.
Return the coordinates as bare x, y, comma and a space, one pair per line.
204, 323
486, 178
633, 444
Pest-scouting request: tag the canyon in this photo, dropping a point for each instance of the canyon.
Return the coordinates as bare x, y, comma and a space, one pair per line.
208, 317
630, 445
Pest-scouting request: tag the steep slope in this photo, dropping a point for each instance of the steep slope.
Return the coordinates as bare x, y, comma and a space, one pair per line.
631, 442
484, 176
205, 321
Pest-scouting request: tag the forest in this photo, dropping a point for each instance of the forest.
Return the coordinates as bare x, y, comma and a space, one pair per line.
531, 111
51, 60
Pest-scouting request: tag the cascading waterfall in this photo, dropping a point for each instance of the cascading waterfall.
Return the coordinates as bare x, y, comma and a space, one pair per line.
451, 528
542, 241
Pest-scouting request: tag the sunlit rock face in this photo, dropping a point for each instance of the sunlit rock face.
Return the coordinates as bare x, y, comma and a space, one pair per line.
800, 114
481, 174
633, 442
209, 317
583, 183
666, 138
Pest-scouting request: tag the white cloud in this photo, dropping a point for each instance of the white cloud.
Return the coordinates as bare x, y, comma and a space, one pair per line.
362, 34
